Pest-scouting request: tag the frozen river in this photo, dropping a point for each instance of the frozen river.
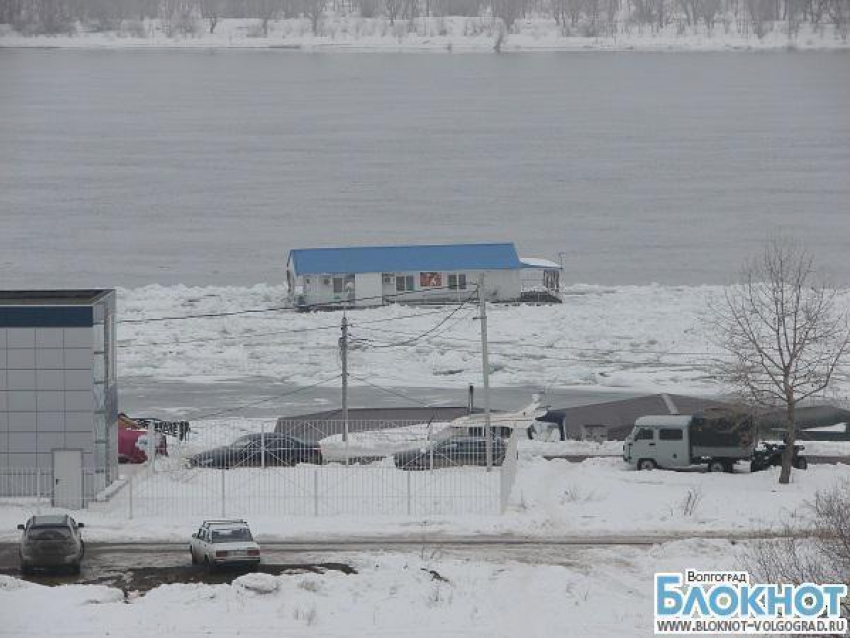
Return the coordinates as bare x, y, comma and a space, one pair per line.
128, 168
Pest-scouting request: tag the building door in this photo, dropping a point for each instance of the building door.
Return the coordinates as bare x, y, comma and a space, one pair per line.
370, 290
68, 479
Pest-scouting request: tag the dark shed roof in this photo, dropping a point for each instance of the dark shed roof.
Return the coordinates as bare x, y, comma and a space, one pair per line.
619, 416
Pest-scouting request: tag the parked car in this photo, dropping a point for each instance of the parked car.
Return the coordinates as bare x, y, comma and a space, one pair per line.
769, 454
133, 445
51, 542
247, 451
452, 452
225, 542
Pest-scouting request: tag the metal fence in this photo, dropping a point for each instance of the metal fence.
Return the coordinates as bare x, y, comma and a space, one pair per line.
34, 488
245, 467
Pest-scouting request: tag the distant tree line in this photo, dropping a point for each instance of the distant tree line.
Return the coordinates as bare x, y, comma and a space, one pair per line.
586, 17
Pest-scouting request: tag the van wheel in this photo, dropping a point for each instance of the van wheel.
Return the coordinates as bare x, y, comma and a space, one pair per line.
719, 466
194, 558
646, 464
208, 565
801, 463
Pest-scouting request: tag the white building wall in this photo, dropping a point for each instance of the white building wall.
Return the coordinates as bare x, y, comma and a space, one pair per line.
368, 289
499, 285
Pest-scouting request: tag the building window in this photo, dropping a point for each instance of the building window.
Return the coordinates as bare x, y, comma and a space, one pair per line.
404, 283
670, 434
431, 279
457, 282
344, 285
645, 434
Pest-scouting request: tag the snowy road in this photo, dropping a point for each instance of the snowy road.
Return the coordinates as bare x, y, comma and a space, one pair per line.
554, 551
141, 567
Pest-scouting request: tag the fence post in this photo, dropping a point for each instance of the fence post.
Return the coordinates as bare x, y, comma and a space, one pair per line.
130, 498
151, 450
263, 446
408, 493
316, 492
38, 490
223, 494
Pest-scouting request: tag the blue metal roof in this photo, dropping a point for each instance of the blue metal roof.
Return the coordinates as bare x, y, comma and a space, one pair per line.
438, 258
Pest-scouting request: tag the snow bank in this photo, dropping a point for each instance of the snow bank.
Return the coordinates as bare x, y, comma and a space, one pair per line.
448, 34
595, 592
603, 495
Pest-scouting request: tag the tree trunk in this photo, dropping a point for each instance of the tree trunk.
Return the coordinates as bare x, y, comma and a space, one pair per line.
790, 437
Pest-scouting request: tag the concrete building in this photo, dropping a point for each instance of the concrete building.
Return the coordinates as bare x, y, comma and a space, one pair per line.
377, 275
58, 394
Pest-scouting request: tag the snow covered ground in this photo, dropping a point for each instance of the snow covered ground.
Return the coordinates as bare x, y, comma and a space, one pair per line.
590, 592
645, 338
453, 34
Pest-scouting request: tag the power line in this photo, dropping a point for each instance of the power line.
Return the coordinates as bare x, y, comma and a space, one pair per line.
576, 348
268, 399
415, 338
515, 355
319, 305
275, 332
393, 392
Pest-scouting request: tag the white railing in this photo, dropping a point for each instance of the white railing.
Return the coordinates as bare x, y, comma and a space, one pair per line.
34, 488
310, 490
244, 467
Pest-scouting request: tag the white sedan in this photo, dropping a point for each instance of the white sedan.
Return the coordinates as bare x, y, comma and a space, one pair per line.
229, 542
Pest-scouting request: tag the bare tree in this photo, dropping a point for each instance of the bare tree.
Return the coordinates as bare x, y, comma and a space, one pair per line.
314, 9
839, 13
266, 11
211, 11
507, 10
817, 552
784, 333
392, 9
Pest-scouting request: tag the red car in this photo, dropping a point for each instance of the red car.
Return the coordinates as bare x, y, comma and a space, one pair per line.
133, 445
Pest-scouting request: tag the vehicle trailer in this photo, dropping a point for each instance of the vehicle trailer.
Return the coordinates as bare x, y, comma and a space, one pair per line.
717, 440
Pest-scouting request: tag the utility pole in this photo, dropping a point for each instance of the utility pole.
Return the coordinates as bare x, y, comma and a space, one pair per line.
343, 352
485, 363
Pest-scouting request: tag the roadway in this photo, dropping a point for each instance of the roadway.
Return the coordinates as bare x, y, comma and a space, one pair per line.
140, 566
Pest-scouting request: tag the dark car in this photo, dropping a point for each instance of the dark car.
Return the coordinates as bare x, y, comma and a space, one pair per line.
453, 452
51, 542
247, 451
770, 454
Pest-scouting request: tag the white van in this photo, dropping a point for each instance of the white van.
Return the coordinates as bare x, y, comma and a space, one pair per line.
675, 441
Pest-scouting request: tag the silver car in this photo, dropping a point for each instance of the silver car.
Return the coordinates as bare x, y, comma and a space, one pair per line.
224, 542
51, 542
